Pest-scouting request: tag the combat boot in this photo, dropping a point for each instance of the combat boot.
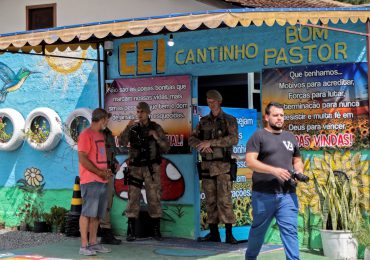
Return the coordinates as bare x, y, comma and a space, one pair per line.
131, 234
107, 237
157, 229
212, 236
230, 239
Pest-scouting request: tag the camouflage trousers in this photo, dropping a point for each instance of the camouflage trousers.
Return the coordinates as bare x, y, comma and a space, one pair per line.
153, 189
105, 222
219, 205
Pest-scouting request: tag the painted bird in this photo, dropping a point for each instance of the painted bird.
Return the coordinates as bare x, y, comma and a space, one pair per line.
12, 81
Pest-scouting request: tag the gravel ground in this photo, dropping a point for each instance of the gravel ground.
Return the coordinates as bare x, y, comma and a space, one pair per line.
10, 239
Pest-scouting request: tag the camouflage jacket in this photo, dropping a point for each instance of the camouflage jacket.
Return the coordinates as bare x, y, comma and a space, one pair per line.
111, 149
145, 143
222, 132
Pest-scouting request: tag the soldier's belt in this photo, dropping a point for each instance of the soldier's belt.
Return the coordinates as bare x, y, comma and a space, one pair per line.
209, 177
204, 174
145, 163
135, 181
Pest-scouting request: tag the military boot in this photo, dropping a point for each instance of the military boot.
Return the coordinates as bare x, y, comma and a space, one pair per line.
131, 234
212, 236
107, 237
230, 239
157, 229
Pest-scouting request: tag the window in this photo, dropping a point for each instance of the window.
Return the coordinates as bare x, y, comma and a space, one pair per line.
41, 16
238, 90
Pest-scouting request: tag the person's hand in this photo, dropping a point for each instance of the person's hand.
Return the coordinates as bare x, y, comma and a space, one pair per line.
281, 174
131, 123
116, 167
204, 146
154, 134
105, 173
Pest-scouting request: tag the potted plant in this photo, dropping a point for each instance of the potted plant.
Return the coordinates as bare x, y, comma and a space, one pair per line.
339, 202
48, 219
31, 214
39, 223
57, 215
363, 237
4, 136
37, 133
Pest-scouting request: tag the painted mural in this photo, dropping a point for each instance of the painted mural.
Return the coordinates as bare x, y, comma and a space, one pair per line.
64, 85
54, 103
236, 50
33, 180
327, 109
326, 106
172, 182
12, 81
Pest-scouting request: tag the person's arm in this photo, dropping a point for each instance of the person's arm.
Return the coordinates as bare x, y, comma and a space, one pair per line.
193, 139
258, 166
225, 141
85, 162
232, 137
161, 138
298, 164
124, 137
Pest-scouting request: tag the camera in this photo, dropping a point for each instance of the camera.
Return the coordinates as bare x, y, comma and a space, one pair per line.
299, 176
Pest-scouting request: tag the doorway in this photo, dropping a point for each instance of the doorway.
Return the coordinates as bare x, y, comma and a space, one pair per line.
237, 90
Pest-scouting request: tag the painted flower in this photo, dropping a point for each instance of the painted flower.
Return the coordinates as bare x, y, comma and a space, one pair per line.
238, 203
308, 198
250, 214
238, 214
203, 220
247, 202
33, 176
343, 165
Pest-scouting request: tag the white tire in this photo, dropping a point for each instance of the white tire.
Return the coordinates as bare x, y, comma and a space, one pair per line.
80, 112
17, 121
55, 131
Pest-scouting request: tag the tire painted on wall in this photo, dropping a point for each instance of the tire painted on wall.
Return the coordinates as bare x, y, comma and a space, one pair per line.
70, 137
55, 128
17, 136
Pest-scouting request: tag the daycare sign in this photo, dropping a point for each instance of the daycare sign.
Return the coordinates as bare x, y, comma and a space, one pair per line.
325, 106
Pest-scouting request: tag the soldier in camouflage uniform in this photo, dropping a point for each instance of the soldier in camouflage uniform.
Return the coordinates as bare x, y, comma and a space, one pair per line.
147, 142
214, 138
106, 233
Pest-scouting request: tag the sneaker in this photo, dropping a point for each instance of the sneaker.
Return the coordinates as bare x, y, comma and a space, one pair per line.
99, 248
87, 251
110, 240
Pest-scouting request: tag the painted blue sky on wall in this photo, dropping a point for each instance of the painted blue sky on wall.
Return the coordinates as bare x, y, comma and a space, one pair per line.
63, 85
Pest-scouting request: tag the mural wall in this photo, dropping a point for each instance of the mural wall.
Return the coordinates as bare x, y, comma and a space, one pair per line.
327, 108
224, 51
45, 177
30, 176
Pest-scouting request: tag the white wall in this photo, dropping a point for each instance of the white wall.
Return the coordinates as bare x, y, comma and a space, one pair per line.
13, 12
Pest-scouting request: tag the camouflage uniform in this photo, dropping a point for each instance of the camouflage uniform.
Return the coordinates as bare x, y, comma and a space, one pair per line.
222, 131
144, 166
111, 151
106, 233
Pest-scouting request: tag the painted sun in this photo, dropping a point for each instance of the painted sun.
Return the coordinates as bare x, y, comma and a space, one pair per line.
68, 66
